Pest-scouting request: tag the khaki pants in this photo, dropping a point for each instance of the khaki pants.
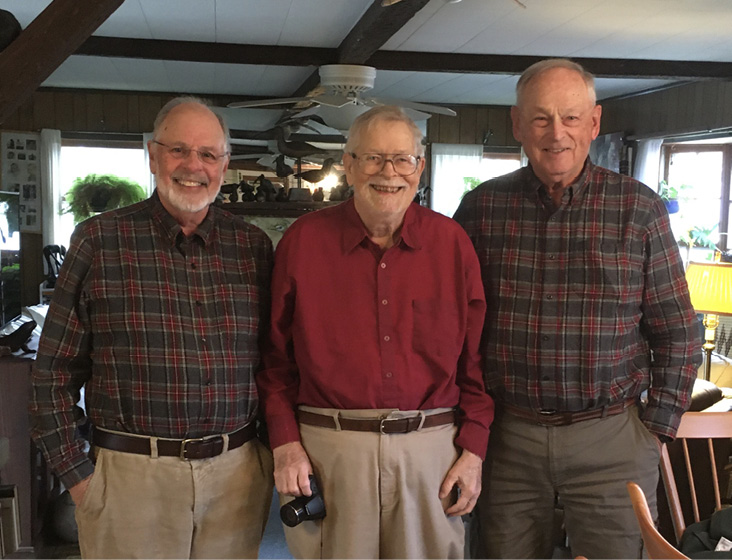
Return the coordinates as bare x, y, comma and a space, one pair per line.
380, 493
587, 464
142, 507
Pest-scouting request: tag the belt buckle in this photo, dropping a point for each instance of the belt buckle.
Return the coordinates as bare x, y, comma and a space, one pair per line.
184, 445
382, 424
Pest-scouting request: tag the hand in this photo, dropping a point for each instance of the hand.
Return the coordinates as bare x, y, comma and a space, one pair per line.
291, 469
466, 474
78, 490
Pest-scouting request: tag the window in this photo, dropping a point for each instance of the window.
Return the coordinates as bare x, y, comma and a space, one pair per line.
459, 168
124, 159
698, 174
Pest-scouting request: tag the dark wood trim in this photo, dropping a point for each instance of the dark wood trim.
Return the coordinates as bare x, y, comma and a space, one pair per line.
47, 41
515, 64
198, 51
361, 46
275, 209
375, 28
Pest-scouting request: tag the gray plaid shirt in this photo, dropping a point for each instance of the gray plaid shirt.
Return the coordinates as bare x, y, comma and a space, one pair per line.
587, 302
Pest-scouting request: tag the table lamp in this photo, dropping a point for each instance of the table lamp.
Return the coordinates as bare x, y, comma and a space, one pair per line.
710, 287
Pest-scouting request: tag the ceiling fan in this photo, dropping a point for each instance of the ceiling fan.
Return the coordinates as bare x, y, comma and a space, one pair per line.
342, 100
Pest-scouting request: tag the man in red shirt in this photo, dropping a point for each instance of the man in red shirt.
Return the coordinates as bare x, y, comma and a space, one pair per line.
373, 381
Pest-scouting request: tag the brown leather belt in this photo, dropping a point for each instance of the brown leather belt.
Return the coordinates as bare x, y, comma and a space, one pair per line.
385, 425
556, 418
193, 448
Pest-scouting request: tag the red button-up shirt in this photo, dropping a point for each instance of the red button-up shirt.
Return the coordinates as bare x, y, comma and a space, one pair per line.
355, 327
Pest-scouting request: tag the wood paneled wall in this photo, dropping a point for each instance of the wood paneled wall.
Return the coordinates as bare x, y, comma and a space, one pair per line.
88, 112
701, 106
471, 125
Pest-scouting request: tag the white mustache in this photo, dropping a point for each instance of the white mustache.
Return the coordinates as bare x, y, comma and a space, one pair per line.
192, 179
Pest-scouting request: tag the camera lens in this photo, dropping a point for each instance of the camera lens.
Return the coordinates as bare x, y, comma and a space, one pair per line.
290, 515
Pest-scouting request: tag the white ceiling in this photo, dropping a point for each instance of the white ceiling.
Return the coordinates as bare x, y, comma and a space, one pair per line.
696, 30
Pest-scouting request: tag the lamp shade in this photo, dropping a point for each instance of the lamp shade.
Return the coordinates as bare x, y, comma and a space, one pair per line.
710, 287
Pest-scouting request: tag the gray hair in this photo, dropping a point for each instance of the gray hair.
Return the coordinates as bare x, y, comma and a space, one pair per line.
190, 99
383, 113
549, 64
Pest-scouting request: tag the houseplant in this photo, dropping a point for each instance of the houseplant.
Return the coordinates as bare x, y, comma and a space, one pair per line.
670, 197
99, 193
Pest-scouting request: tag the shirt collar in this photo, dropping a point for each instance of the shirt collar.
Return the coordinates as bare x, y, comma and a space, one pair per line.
354, 231
170, 229
532, 183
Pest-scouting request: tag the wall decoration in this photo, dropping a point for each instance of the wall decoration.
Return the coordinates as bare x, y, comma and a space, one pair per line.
21, 175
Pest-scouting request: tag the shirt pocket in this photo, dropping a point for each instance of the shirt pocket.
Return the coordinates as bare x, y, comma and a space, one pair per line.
436, 332
237, 314
606, 270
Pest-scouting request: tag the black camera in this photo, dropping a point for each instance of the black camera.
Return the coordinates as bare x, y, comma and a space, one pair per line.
304, 508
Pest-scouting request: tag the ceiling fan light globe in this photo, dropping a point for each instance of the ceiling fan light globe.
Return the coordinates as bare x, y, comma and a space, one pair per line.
347, 77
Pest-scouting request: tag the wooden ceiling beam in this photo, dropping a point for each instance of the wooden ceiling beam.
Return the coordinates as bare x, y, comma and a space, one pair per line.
377, 25
375, 28
515, 64
408, 61
197, 51
47, 41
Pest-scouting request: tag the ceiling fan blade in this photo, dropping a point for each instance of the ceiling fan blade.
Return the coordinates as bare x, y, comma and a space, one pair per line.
414, 105
267, 102
334, 100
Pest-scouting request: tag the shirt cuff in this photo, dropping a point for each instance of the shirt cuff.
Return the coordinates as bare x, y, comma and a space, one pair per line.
282, 429
662, 422
73, 477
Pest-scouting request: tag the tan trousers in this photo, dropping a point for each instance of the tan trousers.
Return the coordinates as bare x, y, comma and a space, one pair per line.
142, 507
587, 464
380, 493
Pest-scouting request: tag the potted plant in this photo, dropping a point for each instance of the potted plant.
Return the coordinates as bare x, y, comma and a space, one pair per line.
670, 197
98, 193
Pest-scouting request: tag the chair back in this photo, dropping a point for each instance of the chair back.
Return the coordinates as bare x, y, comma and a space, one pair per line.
54, 255
695, 426
656, 546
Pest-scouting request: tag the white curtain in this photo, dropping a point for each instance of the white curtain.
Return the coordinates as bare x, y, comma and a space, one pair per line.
648, 162
50, 157
451, 163
150, 187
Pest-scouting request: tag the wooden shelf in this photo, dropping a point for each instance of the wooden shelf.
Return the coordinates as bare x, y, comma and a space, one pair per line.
283, 209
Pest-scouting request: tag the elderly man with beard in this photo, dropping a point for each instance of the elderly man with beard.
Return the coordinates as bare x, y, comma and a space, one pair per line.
373, 381
157, 313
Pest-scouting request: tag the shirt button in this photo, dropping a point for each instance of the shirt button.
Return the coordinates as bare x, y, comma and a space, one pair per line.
388, 374
383, 265
552, 257
203, 339
384, 302
545, 337
549, 297
387, 338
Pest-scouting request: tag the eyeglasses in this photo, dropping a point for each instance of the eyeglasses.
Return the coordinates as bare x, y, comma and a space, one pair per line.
182, 152
371, 164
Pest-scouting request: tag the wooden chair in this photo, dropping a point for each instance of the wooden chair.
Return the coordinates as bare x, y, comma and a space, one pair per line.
700, 426
656, 546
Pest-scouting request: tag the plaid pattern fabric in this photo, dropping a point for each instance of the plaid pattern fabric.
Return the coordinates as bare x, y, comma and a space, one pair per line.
587, 303
161, 329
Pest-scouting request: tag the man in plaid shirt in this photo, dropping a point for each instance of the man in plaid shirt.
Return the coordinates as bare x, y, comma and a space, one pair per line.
157, 314
587, 309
